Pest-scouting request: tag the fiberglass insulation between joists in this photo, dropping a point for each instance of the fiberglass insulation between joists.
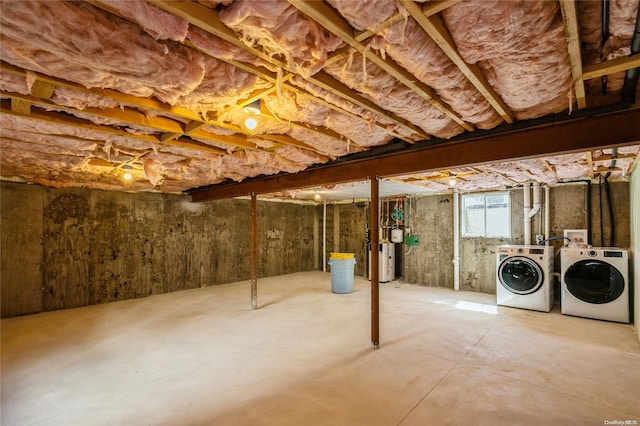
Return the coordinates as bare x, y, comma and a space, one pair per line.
520, 48
408, 44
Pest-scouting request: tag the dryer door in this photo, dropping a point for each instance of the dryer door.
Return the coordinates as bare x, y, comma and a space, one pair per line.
594, 281
520, 275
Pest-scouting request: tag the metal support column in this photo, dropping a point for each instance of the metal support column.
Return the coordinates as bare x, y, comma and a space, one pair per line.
254, 252
375, 261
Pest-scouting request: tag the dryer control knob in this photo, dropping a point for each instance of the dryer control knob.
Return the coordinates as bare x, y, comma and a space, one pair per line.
592, 253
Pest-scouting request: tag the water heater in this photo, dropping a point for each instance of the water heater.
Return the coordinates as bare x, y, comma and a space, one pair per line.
386, 262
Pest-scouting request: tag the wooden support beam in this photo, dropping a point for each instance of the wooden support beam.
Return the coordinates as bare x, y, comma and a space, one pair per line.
435, 28
146, 103
21, 106
67, 120
609, 157
208, 20
125, 115
215, 26
551, 169
572, 35
429, 9
42, 89
374, 210
192, 126
634, 164
434, 7
590, 164
574, 135
604, 170
609, 67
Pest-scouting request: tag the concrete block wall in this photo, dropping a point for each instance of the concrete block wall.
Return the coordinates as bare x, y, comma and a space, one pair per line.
65, 248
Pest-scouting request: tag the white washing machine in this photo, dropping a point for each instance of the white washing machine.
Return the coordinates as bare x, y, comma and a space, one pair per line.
525, 277
595, 283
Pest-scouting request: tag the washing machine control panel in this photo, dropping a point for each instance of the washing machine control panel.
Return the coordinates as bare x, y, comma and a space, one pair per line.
612, 254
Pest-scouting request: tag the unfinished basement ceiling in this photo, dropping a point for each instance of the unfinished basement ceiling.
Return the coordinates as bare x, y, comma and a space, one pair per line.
93, 89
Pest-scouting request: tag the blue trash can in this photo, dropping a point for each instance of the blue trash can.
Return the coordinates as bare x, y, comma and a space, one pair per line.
342, 268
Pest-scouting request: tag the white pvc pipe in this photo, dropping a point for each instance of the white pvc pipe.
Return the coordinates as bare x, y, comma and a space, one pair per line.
527, 208
547, 219
536, 199
528, 211
456, 240
324, 237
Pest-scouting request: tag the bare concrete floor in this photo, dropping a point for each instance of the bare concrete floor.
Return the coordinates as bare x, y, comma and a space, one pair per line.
202, 357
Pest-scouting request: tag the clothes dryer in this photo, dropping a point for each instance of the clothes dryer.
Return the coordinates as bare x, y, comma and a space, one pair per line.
525, 277
595, 283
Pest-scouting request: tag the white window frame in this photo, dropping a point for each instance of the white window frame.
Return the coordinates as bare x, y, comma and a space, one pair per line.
484, 234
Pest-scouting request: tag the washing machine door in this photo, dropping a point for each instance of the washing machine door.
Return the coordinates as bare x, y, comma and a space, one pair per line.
594, 281
520, 275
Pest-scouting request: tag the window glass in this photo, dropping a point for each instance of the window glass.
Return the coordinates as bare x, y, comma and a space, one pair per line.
486, 215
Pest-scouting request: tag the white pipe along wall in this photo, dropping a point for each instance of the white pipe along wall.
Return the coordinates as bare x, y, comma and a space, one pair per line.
547, 211
456, 240
528, 211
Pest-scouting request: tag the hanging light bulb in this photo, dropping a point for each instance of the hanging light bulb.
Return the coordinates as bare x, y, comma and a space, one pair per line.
252, 110
251, 123
127, 173
452, 179
317, 196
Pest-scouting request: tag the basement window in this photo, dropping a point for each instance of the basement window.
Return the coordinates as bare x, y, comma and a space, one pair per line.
486, 215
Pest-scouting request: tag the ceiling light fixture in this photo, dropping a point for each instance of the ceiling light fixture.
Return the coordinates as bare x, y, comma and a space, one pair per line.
127, 173
317, 196
452, 179
250, 123
252, 109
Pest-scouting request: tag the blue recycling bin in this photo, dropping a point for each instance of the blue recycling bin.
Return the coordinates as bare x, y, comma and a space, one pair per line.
342, 270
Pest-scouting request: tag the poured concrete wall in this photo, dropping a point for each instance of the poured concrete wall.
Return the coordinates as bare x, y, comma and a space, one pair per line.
64, 248
346, 233
431, 262
21, 248
71, 247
